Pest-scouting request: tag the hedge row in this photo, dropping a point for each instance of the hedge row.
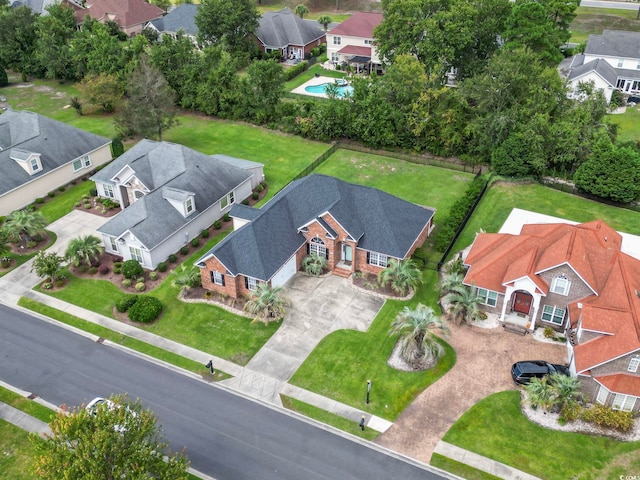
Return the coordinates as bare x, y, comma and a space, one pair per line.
296, 70
145, 310
458, 211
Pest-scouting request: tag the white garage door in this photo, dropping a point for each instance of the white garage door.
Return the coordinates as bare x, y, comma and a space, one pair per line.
283, 275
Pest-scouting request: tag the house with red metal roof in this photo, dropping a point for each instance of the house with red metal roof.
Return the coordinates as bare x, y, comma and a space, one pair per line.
130, 15
576, 279
351, 43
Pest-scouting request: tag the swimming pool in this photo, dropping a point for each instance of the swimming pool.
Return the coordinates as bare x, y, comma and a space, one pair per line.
322, 88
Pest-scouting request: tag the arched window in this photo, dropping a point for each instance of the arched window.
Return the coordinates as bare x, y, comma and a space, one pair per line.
317, 246
138, 194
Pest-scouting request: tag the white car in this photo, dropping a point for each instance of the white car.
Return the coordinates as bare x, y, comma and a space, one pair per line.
93, 405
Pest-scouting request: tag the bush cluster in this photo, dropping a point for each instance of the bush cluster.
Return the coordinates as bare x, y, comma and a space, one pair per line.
145, 310
125, 303
184, 250
457, 213
226, 217
127, 282
217, 225
131, 269
296, 70
204, 233
162, 267
153, 275
195, 242
607, 417
140, 287
172, 258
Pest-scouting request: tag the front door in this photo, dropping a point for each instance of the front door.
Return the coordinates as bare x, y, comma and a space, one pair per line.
522, 303
347, 253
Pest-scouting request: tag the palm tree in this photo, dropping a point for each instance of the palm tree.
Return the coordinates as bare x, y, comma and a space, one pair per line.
402, 276
23, 222
267, 304
565, 388
324, 20
314, 264
47, 265
184, 279
465, 303
451, 282
417, 329
85, 250
540, 393
301, 10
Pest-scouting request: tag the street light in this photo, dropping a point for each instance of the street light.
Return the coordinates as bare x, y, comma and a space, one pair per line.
368, 390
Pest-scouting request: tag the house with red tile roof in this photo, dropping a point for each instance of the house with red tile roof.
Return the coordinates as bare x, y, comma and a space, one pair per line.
576, 279
351, 42
131, 15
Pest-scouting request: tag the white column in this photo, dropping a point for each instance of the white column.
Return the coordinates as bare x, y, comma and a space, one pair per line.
507, 298
536, 305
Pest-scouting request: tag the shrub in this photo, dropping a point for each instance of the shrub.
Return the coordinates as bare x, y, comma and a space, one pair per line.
184, 250
40, 200
217, 225
570, 411
87, 205
195, 242
61, 189
259, 188
117, 270
82, 268
131, 268
295, 70
255, 195
162, 267
125, 303
47, 286
127, 282
607, 417
245, 201
93, 270
208, 294
93, 192
204, 234
139, 279
104, 269
226, 217
51, 194
145, 310
31, 244
117, 264
549, 332
140, 287
76, 104
4, 78
172, 258
153, 275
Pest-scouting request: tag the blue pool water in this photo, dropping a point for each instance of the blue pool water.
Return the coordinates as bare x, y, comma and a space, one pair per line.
322, 88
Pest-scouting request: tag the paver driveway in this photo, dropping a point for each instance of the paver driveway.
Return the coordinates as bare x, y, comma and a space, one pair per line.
484, 359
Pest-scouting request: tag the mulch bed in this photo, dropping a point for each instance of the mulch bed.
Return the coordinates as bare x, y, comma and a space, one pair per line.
368, 281
21, 248
93, 205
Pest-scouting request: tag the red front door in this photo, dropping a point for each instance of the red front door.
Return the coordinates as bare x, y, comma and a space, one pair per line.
522, 303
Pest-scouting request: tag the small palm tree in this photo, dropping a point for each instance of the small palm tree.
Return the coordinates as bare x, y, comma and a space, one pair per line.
267, 304
324, 20
540, 393
402, 276
301, 10
85, 250
185, 279
417, 329
21, 225
451, 282
465, 303
47, 265
565, 388
314, 264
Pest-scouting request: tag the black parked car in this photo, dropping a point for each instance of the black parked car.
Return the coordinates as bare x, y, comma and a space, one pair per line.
523, 372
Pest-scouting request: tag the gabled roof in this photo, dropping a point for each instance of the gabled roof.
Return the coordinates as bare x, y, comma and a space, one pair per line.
283, 28
621, 383
170, 171
57, 143
360, 24
614, 43
382, 223
183, 17
125, 13
599, 66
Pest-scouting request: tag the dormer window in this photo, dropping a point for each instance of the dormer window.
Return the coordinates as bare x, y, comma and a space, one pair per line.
35, 165
560, 285
188, 205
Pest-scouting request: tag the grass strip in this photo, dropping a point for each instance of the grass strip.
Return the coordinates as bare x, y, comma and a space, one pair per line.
121, 339
25, 405
462, 470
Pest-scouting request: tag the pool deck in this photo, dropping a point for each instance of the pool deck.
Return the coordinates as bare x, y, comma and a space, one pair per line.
314, 81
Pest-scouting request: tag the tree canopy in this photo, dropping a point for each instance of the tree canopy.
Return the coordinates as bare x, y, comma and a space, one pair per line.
226, 22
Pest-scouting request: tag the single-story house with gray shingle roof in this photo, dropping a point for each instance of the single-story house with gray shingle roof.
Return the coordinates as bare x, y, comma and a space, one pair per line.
180, 19
169, 194
621, 50
356, 228
39, 154
287, 33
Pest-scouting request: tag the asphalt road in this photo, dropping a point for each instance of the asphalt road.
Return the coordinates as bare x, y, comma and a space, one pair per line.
225, 436
609, 4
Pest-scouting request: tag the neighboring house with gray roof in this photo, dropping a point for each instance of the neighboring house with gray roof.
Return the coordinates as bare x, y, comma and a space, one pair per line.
289, 34
356, 228
36, 6
180, 19
39, 154
611, 61
169, 194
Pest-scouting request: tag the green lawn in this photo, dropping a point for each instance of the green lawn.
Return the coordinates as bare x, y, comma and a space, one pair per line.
460, 469
20, 259
496, 428
16, 452
63, 203
628, 124
25, 405
341, 364
501, 198
201, 326
309, 74
591, 20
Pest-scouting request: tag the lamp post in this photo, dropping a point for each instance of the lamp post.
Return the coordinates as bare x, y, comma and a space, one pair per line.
368, 390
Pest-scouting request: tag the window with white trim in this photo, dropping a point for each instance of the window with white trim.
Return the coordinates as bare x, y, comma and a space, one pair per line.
217, 278
35, 165
335, 57
316, 245
108, 191
114, 244
227, 200
368, 41
136, 254
633, 365
620, 62
623, 402
251, 283
377, 259
188, 205
81, 163
86, 161
553, 314
603, 393
337, 40
561, 285
638, 65
488, 297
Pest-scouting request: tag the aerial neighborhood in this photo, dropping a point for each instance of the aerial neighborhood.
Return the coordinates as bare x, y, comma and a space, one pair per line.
416, 225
